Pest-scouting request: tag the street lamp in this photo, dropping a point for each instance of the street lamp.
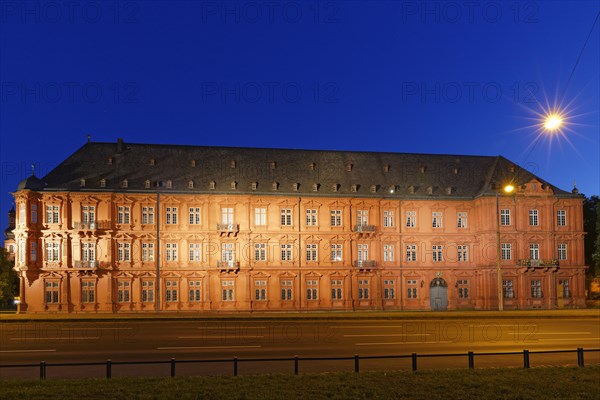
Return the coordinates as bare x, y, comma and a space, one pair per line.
506, 189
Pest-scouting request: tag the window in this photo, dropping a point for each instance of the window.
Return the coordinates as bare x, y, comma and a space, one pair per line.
147, 291
363, 289
436, 219
227, 290
286, 289
437, 252
260, 251
88, 291
534, 251
388, 218
147, 215
88, 214
195, 291
461, 220
52, 251
22, 212
52, 216
506, 251
123, 215
362, 217
336, 217
562, 251
363, 253
411, 252
228, 253
260, 216
508, 291
286, 252
463, 288
171, 292
171, 251
533, 217
312, 289
411, 289
565, 288
88, 252
561, 217
260, 290
22, 245
389, 291
227, 215
336, 252
123, 291
147, 251
286, 217
194, 252
32, 251
411, 219
336, 289
34, 214
463, 252
51, 292
123, 252
505, 217
194, 215
536, 289
171, 214
311, 217
388, 252
311, 252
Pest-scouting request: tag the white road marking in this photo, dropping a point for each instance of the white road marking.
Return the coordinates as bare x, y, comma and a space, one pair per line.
551, 333
394, 343
25, 351
222, 337
572, 339
391, 334
93, 328
56, 338
206, 347
231, 327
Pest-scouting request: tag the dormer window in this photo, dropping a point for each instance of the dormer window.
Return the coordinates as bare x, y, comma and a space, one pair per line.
312, 166
456, 170
411, 189
125, 183
373, 188
109, 160
232, 163
82, 182
422, 169
334, 187
102, 183
449, 190
169, 184
147, 184
295, 187
151, 161
193, 163
273, 164
212, 185
386, 168
315, 187
233, 185
349, 167
274, 186
254, 185
429, 189
354, 188
190, 184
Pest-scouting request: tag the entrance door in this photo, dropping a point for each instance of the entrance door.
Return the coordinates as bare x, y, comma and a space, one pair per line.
438, 295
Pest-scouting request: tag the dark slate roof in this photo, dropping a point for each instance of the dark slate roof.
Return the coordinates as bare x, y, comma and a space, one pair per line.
429, 175
31, 183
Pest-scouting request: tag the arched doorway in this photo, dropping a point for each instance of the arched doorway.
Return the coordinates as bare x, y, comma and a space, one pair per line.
438, 295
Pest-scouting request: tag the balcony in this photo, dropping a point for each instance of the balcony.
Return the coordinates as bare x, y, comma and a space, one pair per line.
91, 226
80, 264
228, 265
529, 262
365, 229
228, 229
365, 264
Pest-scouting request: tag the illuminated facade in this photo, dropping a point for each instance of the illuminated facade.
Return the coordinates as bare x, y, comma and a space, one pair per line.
121, 227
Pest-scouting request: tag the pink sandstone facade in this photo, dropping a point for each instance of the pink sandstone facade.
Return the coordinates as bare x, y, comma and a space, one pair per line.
238, 243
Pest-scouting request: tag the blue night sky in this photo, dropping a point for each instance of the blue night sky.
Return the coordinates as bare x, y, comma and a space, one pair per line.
402, 76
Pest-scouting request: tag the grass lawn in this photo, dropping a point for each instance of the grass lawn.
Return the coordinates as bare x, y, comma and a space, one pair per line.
494, 383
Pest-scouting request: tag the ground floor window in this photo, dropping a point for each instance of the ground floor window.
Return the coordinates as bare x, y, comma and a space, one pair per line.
172, 292
195, 291
312, 289
124, 291
336, 289
363, 289
52, 292
260, 290
286, 289
411, 289
508, 291
536, 289
565, 288
227, 290
88, 291
463, 288
388, 289
147, 291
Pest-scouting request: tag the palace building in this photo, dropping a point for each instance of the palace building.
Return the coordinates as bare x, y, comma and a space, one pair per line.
123, 227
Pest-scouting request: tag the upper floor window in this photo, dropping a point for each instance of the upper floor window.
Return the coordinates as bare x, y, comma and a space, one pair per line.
260, 251
194, 252
461, 220
194, 216
534, 251
88, 214
171, 251
363, 252
88, 251
336, 252
437, 253
562, 251
362, 217
227, 215
147, 251
286, 217
388, 218
52, 251
260, 216
533, 218
312, 252
22, 213
561, 217
336, 217
505, 217
123, 252
388, 252
52, 215
123, 215
436, 219
286, 252
147, 215
506, 251
411, 219
171, 216
34, 214
463, 252
311, 217
411, 252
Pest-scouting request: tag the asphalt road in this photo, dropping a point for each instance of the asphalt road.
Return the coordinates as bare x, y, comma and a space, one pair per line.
63, 342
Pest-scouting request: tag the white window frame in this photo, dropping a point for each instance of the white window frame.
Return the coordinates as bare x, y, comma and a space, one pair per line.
411, 219
534, 217
461, 219
388, 218
312, 217
123, 215
336, 217
171, 215
195, 216
286, 217
260, 216
436, 219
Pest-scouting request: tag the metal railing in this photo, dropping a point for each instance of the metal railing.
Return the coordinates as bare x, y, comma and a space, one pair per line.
86, 264
228, 265
228, 227
91, 225
235, 361
365, 228
365, 263
530, 262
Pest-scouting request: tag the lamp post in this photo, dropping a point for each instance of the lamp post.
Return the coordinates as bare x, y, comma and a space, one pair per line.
506, 189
